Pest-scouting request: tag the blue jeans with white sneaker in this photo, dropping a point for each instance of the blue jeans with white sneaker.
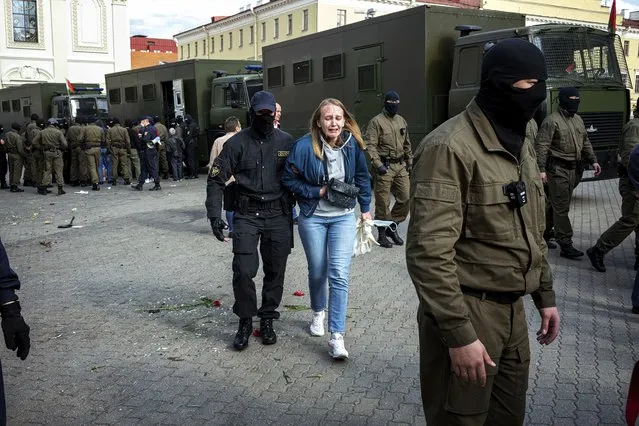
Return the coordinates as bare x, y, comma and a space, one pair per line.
328, 244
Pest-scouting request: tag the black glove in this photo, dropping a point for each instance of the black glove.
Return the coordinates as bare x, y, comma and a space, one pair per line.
382, 170
218, 225
409, 167
15, 330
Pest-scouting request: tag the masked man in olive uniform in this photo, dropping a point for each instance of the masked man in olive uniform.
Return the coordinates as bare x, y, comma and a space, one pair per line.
51, 142
14, 145
78, 173
562, 140
29, 163
629, 220
93, 140
118, 144
163, 163
475, 247
391, 158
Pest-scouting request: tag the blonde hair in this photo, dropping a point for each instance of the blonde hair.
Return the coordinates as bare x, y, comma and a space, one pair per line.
350, 125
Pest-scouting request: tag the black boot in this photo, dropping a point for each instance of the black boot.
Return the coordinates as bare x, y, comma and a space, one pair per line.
127, 182
397, 240
60, 190
157, 187
95, 187
382, 239
596, 257
636, 266
243, 333
74, 183
115, 182
569, 252
3, 185
137, 187
14, 188
548, 236
42, 190
267, 332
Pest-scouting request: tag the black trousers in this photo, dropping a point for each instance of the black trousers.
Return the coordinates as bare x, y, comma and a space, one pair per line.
275, 236
149, 166
4, 167
191, 155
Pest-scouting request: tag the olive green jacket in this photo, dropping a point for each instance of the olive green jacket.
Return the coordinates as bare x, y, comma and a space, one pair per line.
14, 143
563, 137
629, 138
50, 138
387, 136
75, 136
118, 136
462, 229
93, 136
31, 131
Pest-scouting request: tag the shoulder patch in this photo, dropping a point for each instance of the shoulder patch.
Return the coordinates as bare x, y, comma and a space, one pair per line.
215, 170
282, 154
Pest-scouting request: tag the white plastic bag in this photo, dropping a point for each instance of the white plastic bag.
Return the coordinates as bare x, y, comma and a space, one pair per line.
364, 240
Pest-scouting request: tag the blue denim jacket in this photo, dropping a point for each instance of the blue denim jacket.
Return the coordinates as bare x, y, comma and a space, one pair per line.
308, 178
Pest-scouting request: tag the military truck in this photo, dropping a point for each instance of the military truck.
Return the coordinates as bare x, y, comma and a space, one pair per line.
208, 90
17, 103
432, 56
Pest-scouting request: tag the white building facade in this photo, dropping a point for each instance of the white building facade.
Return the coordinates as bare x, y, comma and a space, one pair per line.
54, 40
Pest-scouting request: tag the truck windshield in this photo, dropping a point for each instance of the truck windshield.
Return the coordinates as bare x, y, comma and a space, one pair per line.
89, 107
578, 57
253, 87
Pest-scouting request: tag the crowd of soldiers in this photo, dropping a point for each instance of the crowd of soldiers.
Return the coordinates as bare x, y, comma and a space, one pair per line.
36, 153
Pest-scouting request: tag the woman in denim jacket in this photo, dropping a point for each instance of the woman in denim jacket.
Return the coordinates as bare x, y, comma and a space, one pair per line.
327, 231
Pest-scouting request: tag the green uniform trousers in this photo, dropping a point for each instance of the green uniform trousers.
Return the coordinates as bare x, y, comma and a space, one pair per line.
120, 163
561, 183
93, 159
628, 222
397, 183
38, 176
53, 163
15, 169
29, 168
78, 171
163, 162
447, 400
134, 162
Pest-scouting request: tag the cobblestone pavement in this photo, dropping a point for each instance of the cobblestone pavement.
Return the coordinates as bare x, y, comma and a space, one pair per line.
114, 341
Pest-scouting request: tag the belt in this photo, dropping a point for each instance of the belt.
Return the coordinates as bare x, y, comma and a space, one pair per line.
117, 145
254, 205
392, 160
564, 164
504, 298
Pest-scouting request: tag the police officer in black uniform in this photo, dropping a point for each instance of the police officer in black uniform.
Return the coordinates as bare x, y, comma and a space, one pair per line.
255, 157
4, 164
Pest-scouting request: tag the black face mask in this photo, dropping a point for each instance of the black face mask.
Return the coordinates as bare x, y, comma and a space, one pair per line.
509, 109
570, 105
262, 124
391, 109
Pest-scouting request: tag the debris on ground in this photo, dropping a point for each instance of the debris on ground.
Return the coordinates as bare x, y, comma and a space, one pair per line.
204, 301
81, 192
297, 307
314, 376
256, 332
46, 244
299, 293
287, 378
175, 358
69, 225
47, 222
99, 367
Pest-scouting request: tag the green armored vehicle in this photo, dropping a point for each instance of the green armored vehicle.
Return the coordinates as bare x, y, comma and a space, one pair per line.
432, 56
208, 90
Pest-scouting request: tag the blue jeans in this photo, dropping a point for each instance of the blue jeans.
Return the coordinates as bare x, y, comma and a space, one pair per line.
635, 292
229, 220
105, 163
328, 244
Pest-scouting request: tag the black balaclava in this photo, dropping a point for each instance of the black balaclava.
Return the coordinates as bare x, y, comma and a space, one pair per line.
571, 106
16, 126
391, 109
262, 123
508, 108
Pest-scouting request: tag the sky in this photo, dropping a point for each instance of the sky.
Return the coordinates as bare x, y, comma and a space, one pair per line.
163, 20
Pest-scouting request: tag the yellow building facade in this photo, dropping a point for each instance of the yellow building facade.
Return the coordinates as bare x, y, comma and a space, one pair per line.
243, 35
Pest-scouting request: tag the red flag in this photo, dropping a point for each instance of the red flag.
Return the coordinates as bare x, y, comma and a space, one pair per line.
70, 87
612, 20
632, 406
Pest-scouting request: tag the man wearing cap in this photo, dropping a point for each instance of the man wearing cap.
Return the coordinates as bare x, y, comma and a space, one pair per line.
118, 144
51, 142
475, 247
262, 213
391, 158
163, 132
562, 140
149, 139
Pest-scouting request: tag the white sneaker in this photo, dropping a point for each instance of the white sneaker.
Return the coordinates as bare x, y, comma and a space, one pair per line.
336, 345
317, 324
148, 181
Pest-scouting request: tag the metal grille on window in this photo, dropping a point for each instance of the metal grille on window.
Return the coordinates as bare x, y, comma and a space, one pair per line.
6, 106
333, 67
148, 92
302, 72
275, 76
366, 78
15, 105
131, 94
580, 57
114, 96
25, 21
